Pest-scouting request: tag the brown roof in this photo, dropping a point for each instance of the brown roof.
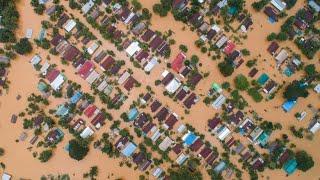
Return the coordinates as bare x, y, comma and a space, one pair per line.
162, 114
130, 83
211, 158
71, 53
99, 118
156, 42
146, 97
182, 94
213, 123
273, 47
177, 148
195, 79
141, 120
115, 69
196, 145
185, 71
107, 63
63, 19
147, 35
148, 127
269, 11
211, 33
56, 39
142, 55
205, 152
155, 106
190, 100
166, 80
171, 121
253, 72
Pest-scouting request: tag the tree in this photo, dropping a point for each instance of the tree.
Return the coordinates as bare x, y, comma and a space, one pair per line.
1, 151
259, 4
245, 52
185, 174
241, 82
282, 36
272, 36
225, 68
295, 90
183, 48
23, 46
304, 160
45, 155
290, 3
77, 150
6, 36
310, 70
254, 93
136, 5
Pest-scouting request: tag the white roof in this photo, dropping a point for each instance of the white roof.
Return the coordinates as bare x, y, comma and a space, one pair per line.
317, 88
151, 64
133, 48
166, 143
219, 101
93, 76
157, 172
279, 4
35, 60
221, 41
282, 56
129, 18
156, 135
164, 73
314, 5
315, 127
102, 85
45, 68
91, 49
6, 176
181, 128
224, 133
29, 33
86, 8
56, 83
123, 77
181, 159
70, 25
222, 3
216, 28
87, 132
173, 86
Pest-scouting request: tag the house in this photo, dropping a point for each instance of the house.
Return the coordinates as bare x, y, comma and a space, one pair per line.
253, 72
145, 98
246, 155
157, 172
184, 91
156, 133
246, 126
6, 176
123, 78
204, 27
151, 64
317, 88
70, 25
98, 120
90, 110
106, 2
290, 166
270, 87
104, 21
215, 29
167, 77
155, 106
95, 14
263, 139
62, 110
76, 97
271, 13
177, 148
195, 79
92, 48
155, 42
236, 118
70, 53
62, 20
263, 78
181, 159
130, 83
219, 101
196, 145
137, 29
213, 123
185, 71
257, 163
141, 121
223, 39
273, 47
87, 7
121, 142
51, 10
171, 121
189, 138
129, 149
87, 132
44, 68
79, 62
101, 55
254, 135
162, 114
239, 148
133, 48
54, 136
179, 4
147, 128
196, 19
86, 69
35, 60
229, 47
220, 167
166, 143
216, 87
314, 5
191, 100
146, 37
223, 132
177, 63
173, 86
279, 4
288, 105
212, 158
57, 82
29, 33
205, 152
142, 56
132, 114
314, 126
107, 63
300, 24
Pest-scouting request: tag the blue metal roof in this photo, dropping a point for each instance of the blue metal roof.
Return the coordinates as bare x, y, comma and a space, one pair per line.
190, 139
129, 149
76, 97
290, 166
288, 105
133, 114
220, 167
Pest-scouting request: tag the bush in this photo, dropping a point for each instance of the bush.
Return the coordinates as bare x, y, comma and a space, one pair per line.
225, 68
254, 93
272, 36
183, 48
45, 155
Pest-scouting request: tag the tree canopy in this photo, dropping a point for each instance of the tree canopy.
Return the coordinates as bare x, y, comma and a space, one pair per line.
77, 150
241, 82
45, 155
185, 174
304, 160
23, 46
225, 68
295, 90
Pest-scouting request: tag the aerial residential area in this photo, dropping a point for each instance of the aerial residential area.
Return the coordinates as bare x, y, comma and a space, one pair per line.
159, 89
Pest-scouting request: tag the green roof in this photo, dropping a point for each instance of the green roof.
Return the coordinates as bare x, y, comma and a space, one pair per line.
42, 87
216, 87
263, 139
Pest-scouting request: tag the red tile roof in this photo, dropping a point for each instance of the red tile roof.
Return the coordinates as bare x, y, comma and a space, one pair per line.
90, 110
205, 152
99, 118
85, 69
147, 35
52, 75
229, 47
71, 53
196, 145
177, 63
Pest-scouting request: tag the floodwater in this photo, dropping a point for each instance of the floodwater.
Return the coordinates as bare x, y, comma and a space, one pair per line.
24, 78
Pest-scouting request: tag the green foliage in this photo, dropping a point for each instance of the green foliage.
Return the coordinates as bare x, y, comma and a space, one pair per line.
184, 173
304, 160
241, 82
225, 68
308, 47
1, 151
163, 8
183, 48
272, 36
245, 52
23, 46
45, 155
77, 149
310, 70
294, 90
290, 3
282, 36
6, 36
254, 93
136, 5
259, 4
